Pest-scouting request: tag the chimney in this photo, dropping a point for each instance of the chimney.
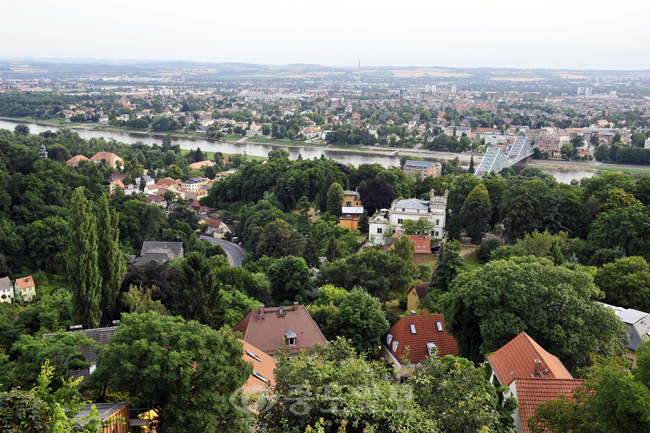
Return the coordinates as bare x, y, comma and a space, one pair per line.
295, 306
261, 309
536, 367
413, 313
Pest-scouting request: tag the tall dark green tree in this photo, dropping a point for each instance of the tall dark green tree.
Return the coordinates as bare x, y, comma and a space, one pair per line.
335, 199
450, 265
110, 259
476, 213
519, 220
198, 294
82, 261
471, 165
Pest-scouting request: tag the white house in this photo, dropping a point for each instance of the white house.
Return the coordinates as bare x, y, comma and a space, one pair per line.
433, 209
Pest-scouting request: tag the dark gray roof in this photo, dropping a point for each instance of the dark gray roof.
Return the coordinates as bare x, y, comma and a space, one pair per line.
5, 283
356, 195
638, 324
101, 336
105, 410
159, 258
149, 247
411, 203
420, 165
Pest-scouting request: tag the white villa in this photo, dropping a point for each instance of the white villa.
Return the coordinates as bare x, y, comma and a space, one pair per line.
433, 209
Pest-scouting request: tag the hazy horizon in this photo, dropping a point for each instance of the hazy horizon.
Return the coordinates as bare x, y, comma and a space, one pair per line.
502, 34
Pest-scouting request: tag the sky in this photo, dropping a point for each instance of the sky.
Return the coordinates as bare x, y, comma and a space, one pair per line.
552, 34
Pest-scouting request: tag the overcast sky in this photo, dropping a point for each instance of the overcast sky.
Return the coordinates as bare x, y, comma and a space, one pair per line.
569, 34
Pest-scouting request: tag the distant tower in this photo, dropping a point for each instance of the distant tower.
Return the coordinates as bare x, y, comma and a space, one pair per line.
453, 89
588, 91
581, 90
359, 75
433, 88
43, 151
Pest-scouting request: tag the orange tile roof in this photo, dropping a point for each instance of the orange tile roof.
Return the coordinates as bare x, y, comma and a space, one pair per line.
517, 359
25, 282
265, 367
531, 392
422, 244
76, 159
266, 331
426, 331
108, 156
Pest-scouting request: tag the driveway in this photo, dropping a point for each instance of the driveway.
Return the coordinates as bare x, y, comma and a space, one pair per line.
234, 251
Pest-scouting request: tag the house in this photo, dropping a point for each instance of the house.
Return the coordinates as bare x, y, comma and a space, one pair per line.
25, 288
523, 357
201, 164
415, 295
351, 210
114, 185
195, 195
6, 289
638, 325
217, 228
75, 160
101, 336
159, 252
147, 180
111, 158
433, 209
422, 335
424, 168
195, 183
422, 246
263, 369
118, 176
131, 189
532, 391
109, 414
156, 199
269, 328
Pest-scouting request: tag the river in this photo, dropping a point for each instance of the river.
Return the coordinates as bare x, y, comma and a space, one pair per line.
255, 149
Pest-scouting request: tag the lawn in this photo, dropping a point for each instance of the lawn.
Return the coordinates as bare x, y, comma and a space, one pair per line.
626, 170
282, 142
210, 155
472, 262
312, 213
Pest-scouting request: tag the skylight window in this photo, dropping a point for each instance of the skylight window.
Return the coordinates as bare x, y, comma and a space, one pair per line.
412, 328
260, 377
252, 355
439, 326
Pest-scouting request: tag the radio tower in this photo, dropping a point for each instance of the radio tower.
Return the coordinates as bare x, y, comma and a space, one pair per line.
359, 75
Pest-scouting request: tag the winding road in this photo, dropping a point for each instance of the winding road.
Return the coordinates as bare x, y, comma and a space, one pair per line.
235, 252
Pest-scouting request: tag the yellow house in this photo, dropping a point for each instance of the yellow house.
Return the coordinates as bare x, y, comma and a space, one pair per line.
26, 288
351, 210
414, 296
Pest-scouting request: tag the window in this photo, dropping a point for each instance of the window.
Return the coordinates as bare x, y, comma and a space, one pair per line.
291, 341
357, 203
395, 344
348, 203
389, 338
379, 230
437, 235
399, 221
412, 328
252, 355
418, 247
403, 210
439, 326
260, 377
430, 348
437, 222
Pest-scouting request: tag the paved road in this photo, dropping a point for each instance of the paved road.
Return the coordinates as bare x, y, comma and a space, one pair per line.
234, 251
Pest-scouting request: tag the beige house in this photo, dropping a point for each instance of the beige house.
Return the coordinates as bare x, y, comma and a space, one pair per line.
6, 290
25, 288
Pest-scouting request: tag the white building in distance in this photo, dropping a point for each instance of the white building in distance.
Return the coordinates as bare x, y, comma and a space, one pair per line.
433, 209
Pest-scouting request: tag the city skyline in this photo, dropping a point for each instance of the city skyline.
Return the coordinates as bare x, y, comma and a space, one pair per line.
502, 34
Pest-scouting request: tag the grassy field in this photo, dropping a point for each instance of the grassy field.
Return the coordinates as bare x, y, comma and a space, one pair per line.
210, 155
626, 170
472, 262
312, 214
282, 142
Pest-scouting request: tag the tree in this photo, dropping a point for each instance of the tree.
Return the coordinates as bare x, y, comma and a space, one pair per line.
404, 248
196, 370
488, 307
110, 259
617, 199
458, 396
421, 226
627, 228
519, 219
335, 249
329, 294
476, 213
364, 223
359, 319
594, 141
341, 385
376, 194
198, 155
278, 240
449, 266
626, 283
82, 261
21, 129
485, 250
602, 153
335, 199
471, 165
290, 278
198, 295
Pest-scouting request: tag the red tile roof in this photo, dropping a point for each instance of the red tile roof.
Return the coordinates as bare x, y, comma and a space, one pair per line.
517, 359
263, 365
422, 244
25, 282
213, 223
426, 331
76, 159
531, 392
266, 331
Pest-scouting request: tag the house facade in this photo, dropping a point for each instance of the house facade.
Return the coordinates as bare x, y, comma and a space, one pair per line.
351, 210
6, 290
424, 168
433, 210
25, 288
